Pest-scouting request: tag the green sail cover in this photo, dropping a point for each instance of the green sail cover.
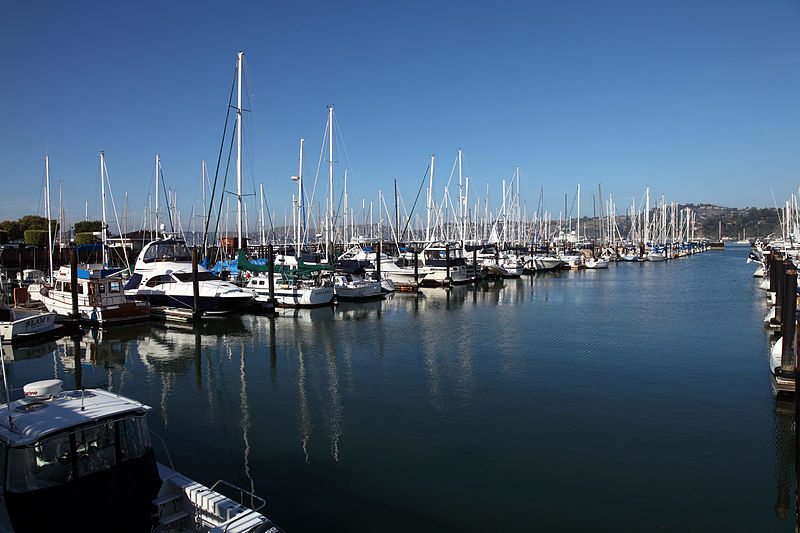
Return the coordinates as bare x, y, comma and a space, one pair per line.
302, 269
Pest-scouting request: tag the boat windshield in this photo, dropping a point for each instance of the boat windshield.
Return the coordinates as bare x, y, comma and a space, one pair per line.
167, 251
67, 456
201, 276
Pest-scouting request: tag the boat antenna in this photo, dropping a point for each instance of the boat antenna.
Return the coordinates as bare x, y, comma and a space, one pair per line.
5, 382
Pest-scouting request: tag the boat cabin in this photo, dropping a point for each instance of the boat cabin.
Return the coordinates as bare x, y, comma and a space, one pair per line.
172, 250
78, 460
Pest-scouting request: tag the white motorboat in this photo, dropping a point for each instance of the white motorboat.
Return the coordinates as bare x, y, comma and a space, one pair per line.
655, 256
595, 264
397, 269
24, 324
291, 292
354, 287
434, 257
573, 260
101, 299
64, 450
163, 276
542, 263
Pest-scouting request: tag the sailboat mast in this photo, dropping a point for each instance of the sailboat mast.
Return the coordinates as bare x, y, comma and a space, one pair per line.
47, 204
205, 213
329, 225
239, 150
103, 194
430, 199
302, 209
158, 164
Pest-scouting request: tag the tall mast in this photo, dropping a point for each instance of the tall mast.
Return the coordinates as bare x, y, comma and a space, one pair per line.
103, 193
156, 228
263, 240
460, 199
60, 216
505, 219
430, 200
239, 150
344, 218
301, 209
329, 225
205, 214
578, 218
47, 204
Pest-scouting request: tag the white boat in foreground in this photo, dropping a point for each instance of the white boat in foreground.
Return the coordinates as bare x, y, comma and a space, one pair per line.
23, 324
63, 451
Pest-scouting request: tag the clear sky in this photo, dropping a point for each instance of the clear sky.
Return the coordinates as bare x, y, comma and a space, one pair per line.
696, 99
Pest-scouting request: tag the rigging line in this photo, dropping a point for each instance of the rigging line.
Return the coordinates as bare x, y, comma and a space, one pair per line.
316, 177
225, 180
169, 210
219, 159
114, 206
346, 153
421, 185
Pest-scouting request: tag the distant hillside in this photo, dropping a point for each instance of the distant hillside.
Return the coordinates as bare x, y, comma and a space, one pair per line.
750, 222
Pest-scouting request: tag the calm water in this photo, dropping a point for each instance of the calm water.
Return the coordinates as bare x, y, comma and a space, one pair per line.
632, 399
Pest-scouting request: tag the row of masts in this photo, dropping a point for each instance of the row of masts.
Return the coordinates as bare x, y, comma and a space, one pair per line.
445, 219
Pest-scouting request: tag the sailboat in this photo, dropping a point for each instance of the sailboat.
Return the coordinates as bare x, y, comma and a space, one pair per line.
99, 292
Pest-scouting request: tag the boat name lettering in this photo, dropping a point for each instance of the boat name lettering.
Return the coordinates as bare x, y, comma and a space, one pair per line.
35, 321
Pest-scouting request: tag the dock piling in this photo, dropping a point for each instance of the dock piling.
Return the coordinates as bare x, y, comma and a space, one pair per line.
73, 280
788, 316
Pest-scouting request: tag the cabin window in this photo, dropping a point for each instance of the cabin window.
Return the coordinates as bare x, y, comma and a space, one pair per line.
134, 439
67, 286
101, 288
95, 447
58, 285
63, 457
45, 464
201, 276
80, 288
158, 280
114, 286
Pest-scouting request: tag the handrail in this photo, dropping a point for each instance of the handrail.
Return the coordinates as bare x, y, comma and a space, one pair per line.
242, 493
166, 450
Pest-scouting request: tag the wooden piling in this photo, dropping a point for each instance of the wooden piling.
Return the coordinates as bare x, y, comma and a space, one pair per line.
378, 261
447, 279
788, 316
271, 272
196, 311
780, 281
416, 266
73, 280
475, 264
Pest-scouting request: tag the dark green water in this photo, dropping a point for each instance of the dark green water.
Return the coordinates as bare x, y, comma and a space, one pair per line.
632, 399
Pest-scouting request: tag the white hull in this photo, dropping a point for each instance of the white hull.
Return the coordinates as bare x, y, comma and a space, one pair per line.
297, 297
543, 263
25, 324
357, 289
596, 263
655, 256
61, 304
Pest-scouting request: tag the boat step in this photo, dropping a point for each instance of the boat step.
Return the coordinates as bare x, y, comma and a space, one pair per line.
167, 498
173, 518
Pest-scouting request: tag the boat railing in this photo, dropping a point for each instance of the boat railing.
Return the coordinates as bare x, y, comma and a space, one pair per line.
166, 450
256, 502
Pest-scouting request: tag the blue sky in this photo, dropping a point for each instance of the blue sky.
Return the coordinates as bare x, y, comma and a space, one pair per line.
696, 99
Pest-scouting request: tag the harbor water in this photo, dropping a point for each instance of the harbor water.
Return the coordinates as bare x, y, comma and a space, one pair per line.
636, 398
